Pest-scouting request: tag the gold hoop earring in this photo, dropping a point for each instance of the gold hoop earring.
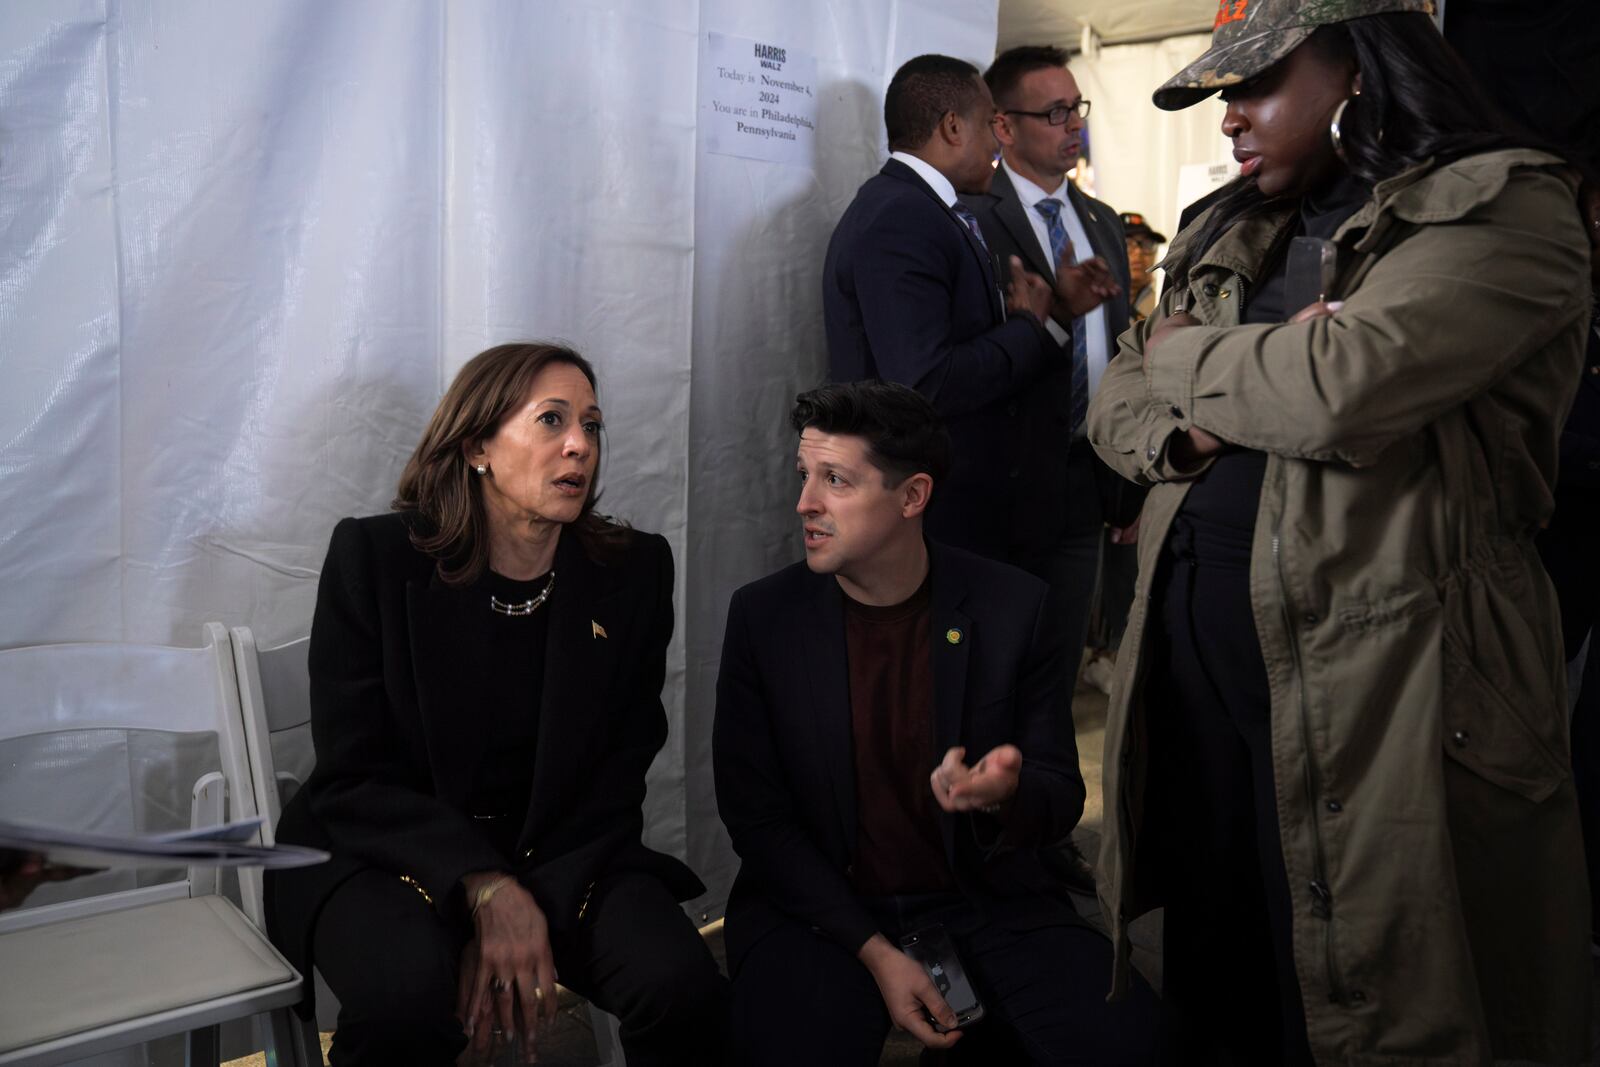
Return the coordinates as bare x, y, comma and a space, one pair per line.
1334, 133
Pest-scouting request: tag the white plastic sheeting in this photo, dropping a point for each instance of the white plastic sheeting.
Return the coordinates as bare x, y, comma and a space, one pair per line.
1139, 150
1115, 21
243, 247
760, 234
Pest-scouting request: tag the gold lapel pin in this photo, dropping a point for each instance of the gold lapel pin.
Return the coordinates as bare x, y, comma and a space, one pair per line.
954, 636
596, 629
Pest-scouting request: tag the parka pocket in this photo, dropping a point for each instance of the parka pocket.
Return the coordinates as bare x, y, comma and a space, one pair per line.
1487, 735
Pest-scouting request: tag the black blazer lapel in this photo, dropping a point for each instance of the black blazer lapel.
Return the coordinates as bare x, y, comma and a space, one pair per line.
950, 643
821, 625
579, 659
1014, 217
1095, 227
1107, 242
991, 271
447, 663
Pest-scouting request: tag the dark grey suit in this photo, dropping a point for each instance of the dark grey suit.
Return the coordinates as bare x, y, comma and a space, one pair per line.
1065, 494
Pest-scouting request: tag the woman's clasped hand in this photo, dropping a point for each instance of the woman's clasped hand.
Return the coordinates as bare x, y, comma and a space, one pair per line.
507, 988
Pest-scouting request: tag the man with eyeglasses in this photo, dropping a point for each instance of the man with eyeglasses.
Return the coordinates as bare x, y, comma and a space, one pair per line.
1033, 214
911, 294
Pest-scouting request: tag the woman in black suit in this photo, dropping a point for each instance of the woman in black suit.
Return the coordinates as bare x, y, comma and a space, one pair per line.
486, 671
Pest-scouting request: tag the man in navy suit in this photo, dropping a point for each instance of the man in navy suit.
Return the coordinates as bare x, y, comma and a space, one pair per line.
911, 294
890, 756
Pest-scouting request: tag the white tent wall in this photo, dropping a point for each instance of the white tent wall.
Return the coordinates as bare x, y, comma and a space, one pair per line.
245, 247
60, 403
1138, 149
760, 234
570, 213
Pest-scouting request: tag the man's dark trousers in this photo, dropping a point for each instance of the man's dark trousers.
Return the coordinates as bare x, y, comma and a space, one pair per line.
803, 1000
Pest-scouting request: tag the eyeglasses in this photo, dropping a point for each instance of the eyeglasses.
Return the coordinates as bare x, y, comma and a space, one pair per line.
1056, 116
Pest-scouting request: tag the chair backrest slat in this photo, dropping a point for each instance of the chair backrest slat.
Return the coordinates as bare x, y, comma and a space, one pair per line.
286, 684
275, 701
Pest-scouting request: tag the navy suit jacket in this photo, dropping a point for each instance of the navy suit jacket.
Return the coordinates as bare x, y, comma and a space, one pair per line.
1041, 511
909, 295
782, 747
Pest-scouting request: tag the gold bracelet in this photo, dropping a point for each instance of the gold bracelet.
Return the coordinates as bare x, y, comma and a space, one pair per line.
487, 892
414, 884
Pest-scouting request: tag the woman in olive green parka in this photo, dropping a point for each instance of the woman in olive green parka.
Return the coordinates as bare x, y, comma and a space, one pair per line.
1404, 437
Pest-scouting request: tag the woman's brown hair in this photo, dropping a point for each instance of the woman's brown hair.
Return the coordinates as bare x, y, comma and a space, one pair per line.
440, 488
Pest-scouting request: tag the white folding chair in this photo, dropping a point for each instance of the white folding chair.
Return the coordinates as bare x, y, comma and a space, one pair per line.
91, 736
275, 709
275, 693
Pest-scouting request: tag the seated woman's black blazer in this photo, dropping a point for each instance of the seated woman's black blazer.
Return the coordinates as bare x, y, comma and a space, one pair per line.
393, 673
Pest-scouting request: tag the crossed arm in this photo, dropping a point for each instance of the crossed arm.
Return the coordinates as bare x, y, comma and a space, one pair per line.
1426, 331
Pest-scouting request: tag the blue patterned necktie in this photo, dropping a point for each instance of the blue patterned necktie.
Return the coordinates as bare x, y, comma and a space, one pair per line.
970, 220
1061, 254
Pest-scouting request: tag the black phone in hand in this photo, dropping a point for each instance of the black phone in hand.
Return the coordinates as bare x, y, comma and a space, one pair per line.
932, 948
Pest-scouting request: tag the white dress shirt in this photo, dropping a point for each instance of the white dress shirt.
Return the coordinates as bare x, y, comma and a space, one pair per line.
1098, 339
930, 174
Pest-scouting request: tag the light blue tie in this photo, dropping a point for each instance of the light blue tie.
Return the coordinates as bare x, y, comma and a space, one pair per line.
1060, 253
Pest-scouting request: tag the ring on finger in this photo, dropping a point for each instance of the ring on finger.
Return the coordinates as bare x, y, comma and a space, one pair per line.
497, 985
538, 993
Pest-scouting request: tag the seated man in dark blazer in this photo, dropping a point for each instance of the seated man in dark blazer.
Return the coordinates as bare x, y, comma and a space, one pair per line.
889, 756
911, 294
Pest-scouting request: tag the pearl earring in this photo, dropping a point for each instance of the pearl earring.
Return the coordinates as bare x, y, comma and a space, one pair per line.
481, 469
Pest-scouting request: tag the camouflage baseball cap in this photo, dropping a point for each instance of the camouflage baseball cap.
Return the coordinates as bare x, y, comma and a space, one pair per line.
1251, 35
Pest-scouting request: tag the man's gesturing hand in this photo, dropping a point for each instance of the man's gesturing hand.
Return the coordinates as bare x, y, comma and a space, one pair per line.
1028, 292
983, 787
1082, 287
908, 993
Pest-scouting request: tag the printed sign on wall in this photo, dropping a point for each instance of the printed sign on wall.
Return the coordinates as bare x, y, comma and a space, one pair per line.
758, 100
